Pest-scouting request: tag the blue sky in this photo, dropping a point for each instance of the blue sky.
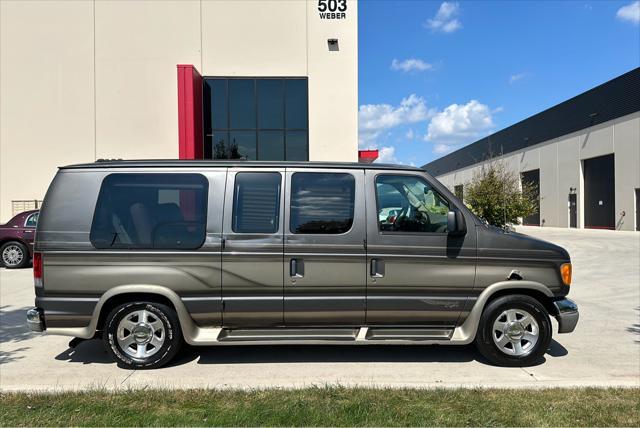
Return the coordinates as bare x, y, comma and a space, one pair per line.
435, 76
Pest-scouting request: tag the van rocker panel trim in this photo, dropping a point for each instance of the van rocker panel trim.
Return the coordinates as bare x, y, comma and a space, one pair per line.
195, 335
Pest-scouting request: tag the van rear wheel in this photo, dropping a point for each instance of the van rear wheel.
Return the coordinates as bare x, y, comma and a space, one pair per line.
514, 331
142, 335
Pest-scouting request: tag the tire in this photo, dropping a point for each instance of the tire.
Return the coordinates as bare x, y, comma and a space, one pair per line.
14, 255
514, 331
142, 335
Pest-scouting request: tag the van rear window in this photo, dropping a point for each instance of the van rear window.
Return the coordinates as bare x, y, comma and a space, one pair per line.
151, 211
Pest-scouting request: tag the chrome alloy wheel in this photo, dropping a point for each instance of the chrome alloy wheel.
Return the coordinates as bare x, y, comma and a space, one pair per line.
515, 332
140, 334
12, 255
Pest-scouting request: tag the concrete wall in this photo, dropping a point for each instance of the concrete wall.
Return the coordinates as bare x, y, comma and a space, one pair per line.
81, 80
560, 164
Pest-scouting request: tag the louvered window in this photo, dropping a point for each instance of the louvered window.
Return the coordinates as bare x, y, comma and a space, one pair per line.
322, 203
256, 202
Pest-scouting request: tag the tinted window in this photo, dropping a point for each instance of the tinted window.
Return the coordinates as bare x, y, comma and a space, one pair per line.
242, 108
297, 146
271, 103
259, 118
409, 204
32, 220
151, 211
296, 99
322, 203
271, 145
216, 116
256, 202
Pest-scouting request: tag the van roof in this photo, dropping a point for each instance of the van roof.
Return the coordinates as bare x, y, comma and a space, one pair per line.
172, 163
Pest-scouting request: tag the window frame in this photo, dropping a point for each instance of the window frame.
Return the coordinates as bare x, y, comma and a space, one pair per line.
407, 233
209, 133
353, 201
205, 214
29, 217
232, 210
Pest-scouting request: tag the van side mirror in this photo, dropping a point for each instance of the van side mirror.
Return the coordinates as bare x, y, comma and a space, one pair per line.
456, 226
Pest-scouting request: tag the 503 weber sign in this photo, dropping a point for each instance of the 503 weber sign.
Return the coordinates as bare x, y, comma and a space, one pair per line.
332, 9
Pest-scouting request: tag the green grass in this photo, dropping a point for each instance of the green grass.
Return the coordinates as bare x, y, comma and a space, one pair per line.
330, 406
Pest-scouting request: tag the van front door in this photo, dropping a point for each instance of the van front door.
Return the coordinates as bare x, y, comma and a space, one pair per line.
417, 274
252, 271
324, 260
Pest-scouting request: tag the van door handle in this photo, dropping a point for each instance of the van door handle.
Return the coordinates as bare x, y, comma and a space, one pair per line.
377, 268
296, 268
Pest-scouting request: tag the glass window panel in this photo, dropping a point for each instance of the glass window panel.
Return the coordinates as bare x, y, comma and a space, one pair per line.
270, 103
151, 211
243, 145
409, 204
297, 146
220, 145
215, 106
271, 145
256, 202
32, 220
322, 203
296, 103
242, 109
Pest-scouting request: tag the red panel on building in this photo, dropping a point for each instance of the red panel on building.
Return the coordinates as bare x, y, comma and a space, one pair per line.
367, 156
189, 112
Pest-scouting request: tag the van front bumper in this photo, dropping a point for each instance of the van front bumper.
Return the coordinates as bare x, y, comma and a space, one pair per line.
35, 319
567, 315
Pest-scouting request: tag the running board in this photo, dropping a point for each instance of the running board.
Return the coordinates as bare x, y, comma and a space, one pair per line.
288, 334
417, 334
345, 335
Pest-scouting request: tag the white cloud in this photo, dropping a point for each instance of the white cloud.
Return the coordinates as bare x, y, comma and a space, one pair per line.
374, 119
387, 155
515, 77
630, 13
409, 135
446, 20
459, 124
411, 64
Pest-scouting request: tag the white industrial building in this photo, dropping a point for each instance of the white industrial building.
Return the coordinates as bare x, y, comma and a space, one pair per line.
583, 155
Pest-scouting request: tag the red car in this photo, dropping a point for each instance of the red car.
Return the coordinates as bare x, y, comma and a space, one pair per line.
16, 240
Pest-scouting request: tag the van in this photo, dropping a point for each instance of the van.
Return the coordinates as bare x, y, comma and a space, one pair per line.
150, 254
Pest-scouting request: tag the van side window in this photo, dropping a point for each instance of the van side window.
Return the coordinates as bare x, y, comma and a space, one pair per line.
151, 211
256, 202
322, 203
409, 204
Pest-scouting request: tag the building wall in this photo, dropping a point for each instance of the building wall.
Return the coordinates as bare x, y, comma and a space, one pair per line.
83, 80
560, 164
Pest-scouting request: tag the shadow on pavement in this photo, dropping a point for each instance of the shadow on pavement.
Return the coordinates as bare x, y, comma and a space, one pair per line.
556, 349
13, 325
93, 352
87, 352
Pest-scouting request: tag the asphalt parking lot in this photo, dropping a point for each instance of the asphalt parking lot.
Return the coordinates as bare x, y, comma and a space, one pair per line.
603, 351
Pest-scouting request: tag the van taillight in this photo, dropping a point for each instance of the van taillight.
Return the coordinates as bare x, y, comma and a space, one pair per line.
37, 269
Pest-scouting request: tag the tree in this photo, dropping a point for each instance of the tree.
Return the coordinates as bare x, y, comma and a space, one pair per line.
496, 195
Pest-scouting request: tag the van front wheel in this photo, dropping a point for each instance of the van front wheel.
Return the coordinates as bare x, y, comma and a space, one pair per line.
514, 331
142, 335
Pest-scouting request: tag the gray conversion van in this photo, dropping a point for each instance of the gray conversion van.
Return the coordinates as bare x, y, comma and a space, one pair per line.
148, 254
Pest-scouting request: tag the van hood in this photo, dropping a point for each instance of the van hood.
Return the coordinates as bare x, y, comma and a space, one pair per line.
496, 242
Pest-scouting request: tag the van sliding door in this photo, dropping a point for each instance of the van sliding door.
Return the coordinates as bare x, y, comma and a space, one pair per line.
252, 271
324, 259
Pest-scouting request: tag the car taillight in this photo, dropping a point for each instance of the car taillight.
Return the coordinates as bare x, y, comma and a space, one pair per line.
37, 269
565, 272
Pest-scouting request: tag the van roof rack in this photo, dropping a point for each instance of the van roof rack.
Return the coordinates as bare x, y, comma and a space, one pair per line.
173, 163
